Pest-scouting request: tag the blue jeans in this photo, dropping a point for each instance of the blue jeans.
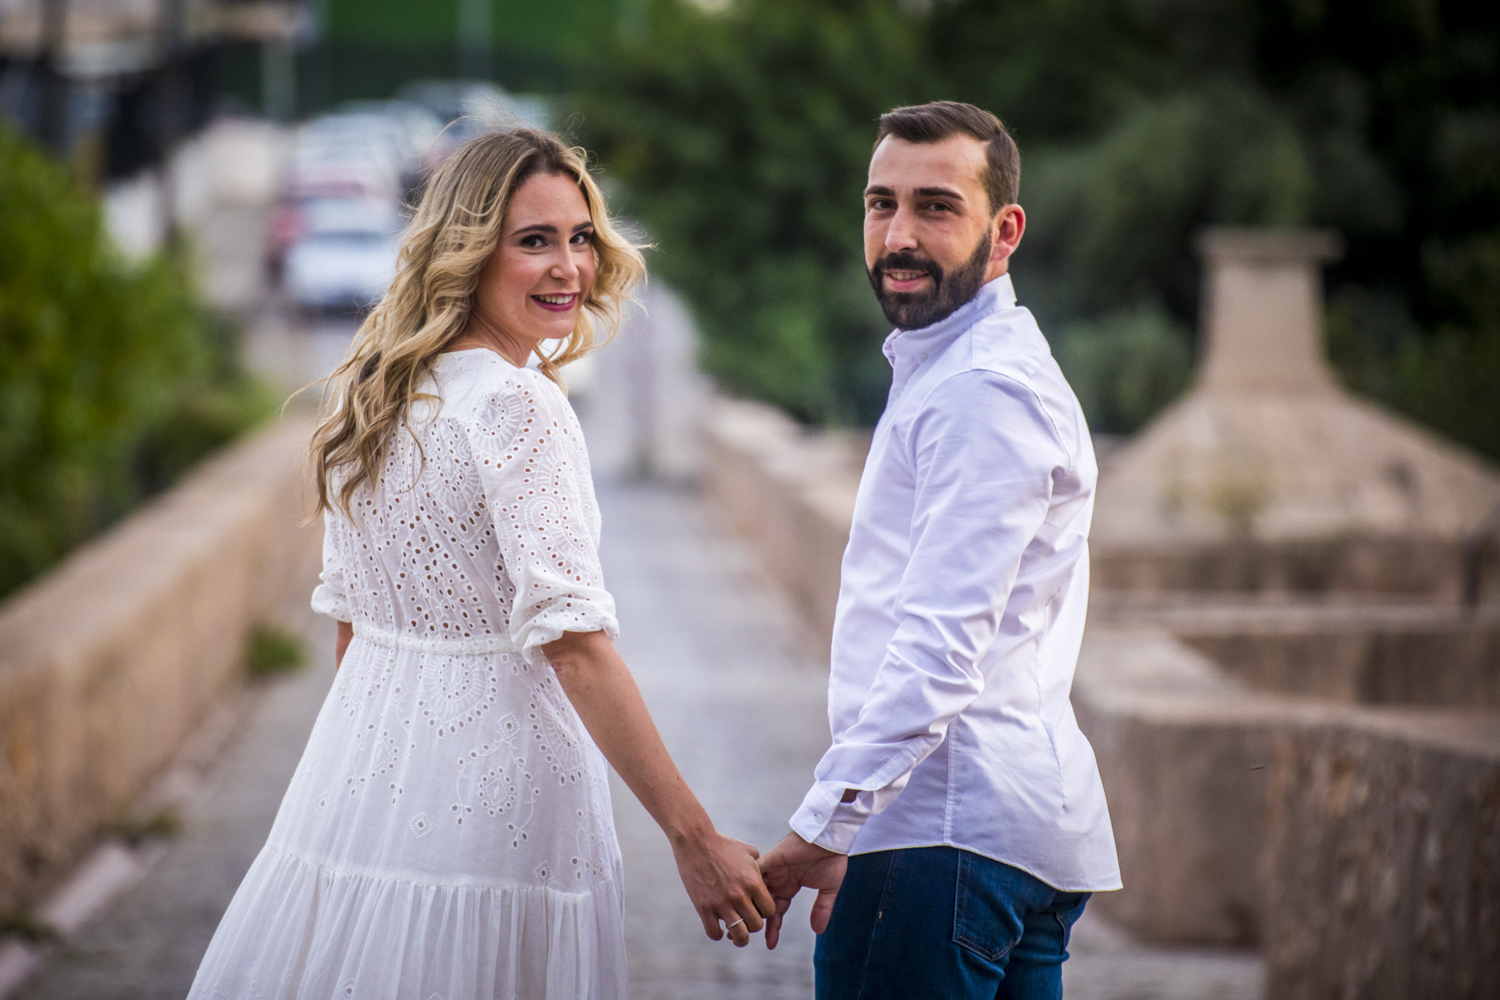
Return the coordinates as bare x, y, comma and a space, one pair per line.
946, 924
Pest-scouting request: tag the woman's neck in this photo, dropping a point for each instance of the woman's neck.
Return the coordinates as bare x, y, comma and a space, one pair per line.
480, 331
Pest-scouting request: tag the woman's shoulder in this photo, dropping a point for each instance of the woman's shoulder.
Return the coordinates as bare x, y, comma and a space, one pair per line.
475, 383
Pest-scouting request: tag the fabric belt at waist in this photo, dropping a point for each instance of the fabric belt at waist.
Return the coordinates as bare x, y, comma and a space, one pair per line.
434, 644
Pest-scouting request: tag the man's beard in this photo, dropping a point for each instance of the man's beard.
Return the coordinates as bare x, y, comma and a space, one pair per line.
949, 292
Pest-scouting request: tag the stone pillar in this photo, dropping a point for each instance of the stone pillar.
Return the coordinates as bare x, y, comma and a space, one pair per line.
1264, 311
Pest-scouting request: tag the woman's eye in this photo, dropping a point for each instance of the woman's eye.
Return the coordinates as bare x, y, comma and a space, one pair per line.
582, 239
533, 242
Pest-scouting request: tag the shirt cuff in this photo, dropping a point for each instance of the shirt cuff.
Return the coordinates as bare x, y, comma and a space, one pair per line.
824, 820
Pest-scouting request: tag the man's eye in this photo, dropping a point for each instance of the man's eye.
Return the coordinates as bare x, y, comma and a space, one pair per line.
880, 205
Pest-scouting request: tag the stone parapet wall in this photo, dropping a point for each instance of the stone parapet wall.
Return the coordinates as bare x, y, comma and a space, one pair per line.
112, 659
1420, 567
1182, 750
1384, 860
791, 493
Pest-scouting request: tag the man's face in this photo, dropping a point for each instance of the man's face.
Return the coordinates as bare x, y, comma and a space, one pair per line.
931, 240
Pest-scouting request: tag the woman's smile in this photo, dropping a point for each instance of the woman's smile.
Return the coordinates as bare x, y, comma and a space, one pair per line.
556, 301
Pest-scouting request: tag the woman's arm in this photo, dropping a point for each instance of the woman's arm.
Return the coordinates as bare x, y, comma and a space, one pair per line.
341, 644
719, 872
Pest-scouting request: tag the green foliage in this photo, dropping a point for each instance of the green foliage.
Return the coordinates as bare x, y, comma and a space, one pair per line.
1111, 222
136, 830
271, 651
1125, 367
29, 929
741, 138
1143, 120
109, 376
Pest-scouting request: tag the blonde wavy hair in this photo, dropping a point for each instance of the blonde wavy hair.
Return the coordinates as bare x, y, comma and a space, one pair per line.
456, 227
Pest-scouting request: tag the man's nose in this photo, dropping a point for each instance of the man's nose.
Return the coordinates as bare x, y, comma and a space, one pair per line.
902, 234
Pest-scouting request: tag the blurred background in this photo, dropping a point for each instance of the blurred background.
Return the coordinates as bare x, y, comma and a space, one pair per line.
199, 199
736, 134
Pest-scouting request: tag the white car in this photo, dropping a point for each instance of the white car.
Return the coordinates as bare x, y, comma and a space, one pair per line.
340, 272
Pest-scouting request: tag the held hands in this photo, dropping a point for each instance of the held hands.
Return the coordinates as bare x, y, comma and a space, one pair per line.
792, 864
724, 883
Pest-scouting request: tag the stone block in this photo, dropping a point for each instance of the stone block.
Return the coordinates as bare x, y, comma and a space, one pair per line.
1384, 860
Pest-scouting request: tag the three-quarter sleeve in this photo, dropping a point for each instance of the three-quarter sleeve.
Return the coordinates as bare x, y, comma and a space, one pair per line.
534, 468
331, 596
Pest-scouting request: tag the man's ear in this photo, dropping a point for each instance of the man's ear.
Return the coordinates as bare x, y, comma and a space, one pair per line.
1006, 230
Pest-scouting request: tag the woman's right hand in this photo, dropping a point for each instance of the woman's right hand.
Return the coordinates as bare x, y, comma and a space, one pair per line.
723, 880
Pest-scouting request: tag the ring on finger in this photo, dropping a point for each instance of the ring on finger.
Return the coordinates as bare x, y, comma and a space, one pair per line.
739, 921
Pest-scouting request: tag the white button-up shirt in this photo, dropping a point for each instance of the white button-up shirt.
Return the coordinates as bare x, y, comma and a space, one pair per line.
961, 609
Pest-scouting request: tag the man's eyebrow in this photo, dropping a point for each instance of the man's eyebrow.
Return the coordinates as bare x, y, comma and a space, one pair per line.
924, 192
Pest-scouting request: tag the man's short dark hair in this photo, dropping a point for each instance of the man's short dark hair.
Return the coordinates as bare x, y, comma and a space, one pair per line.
937, 121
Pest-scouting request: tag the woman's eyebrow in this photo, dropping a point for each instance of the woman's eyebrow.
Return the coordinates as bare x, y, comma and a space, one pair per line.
549, 229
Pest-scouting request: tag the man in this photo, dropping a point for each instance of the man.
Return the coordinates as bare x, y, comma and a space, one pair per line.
959, 791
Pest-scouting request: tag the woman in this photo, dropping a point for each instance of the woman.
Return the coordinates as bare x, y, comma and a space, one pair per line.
448, 832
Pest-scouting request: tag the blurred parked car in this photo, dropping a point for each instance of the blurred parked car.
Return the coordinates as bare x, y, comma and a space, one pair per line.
340, 272
344, 256
294, 219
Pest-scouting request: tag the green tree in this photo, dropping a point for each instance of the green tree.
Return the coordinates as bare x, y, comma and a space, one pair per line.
1144, 120
111, 381
742, 139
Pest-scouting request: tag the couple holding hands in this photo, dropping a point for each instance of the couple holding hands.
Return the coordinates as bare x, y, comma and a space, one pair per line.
448, 832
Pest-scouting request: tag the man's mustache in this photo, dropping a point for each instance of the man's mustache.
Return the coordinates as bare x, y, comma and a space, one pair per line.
908, 262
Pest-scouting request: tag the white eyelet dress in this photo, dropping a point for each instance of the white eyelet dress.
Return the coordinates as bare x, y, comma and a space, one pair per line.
447, 835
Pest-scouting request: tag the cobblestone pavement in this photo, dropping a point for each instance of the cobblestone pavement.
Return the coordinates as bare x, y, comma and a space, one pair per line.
717, 655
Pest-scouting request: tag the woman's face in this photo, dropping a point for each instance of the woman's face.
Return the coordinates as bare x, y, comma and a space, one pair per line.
535, 282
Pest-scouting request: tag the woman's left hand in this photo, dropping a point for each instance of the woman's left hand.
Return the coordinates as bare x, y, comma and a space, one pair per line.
723, 880
719, 872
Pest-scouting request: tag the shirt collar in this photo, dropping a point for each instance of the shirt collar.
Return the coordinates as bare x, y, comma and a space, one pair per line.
993, 296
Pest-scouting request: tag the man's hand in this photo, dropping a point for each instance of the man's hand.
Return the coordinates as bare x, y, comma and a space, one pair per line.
723, 882
792, 864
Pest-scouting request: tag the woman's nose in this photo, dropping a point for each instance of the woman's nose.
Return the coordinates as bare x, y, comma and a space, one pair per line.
566, 268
